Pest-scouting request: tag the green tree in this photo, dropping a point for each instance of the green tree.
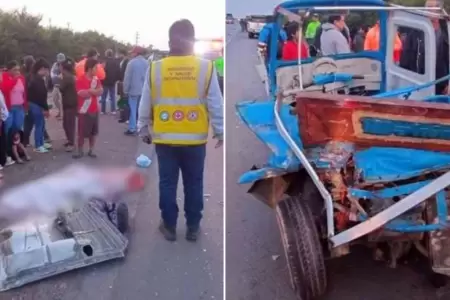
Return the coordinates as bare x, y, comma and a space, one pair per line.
21, 34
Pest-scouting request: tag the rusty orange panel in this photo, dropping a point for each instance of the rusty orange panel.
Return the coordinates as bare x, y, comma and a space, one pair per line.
373, 122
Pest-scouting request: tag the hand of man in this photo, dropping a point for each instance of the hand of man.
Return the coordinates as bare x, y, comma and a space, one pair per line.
84, 94
147, 139
46, 113
219, 144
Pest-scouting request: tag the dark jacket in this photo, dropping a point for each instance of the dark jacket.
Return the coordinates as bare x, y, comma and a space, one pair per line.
37, 91
68, 92
112, 71
413, 55
358, 42
123, 66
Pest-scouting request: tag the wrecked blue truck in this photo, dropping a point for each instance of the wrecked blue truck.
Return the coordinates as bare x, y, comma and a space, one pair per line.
360, 148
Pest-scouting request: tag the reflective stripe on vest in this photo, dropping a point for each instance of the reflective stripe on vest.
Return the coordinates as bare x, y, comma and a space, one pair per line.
179, 86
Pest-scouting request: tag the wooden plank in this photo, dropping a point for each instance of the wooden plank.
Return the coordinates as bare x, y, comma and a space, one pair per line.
372, 122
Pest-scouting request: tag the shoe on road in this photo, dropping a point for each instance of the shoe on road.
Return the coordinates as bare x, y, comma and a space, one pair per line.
129, 132
192, 234
41, 149
169, 233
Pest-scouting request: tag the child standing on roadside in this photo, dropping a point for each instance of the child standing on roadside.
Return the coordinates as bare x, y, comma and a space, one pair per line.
88, 89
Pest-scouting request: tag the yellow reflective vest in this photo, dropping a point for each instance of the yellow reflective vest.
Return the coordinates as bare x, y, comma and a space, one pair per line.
179, 86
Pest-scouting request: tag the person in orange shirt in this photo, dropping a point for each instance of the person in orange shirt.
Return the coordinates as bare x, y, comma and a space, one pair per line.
372, 42
79, 67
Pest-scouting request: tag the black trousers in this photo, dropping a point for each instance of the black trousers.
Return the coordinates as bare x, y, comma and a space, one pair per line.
125, 113
3, 145
220, 78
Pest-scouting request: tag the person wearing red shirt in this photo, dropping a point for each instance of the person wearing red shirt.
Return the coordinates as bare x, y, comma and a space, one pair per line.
88, 88
290, 48
13, 89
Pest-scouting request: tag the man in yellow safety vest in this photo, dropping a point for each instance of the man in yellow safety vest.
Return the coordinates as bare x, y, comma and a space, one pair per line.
180, 98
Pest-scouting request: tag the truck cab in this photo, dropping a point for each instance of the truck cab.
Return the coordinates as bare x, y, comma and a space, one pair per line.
229, 19
377, 71
254, 25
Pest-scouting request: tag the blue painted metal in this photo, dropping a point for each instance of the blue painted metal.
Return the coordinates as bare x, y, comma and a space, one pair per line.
321, 79
397, 191
406, 91
259, 118
405, 224
384, 164
386, 127
294, 6
376, 164
438, 99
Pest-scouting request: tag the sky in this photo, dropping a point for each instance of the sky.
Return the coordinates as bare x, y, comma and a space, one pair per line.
123, 19
242, 8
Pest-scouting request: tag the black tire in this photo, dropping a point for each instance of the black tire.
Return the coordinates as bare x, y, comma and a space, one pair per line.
251, 35
303, 248
122, 217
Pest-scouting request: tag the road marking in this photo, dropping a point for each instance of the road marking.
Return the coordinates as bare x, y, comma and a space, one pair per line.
232, 32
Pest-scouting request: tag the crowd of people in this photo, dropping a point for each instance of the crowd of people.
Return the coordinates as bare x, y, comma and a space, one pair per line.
333, 37
78, 92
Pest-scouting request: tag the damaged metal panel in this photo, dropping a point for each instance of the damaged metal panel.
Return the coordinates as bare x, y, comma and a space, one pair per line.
373, 122
75, 240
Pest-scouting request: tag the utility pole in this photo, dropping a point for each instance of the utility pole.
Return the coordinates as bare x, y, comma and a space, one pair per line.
137, 38
50, 22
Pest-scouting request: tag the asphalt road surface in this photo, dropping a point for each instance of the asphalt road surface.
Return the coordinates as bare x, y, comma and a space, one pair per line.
153, 268
255, 267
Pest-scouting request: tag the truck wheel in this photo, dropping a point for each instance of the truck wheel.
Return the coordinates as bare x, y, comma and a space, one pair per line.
302, 248
122, 217
251, 35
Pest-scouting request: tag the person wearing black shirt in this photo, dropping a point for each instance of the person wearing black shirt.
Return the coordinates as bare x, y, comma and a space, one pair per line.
27, 65
38, 106
112, 76
125, 112
69, 102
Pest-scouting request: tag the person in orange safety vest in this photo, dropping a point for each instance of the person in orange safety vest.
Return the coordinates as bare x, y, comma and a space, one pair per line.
79, 67
372, 42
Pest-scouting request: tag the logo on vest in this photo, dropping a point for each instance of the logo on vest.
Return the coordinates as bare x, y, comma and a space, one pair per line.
164, 116
192, 115
178, 115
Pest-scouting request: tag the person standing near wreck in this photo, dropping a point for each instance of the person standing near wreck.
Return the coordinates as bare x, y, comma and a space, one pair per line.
179, 105
413, 53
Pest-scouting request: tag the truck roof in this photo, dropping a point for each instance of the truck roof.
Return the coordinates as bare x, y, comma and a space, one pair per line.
293, 5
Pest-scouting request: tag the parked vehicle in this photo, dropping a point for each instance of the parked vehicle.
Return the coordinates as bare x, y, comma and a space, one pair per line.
254, 25
229, 19
352, 162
